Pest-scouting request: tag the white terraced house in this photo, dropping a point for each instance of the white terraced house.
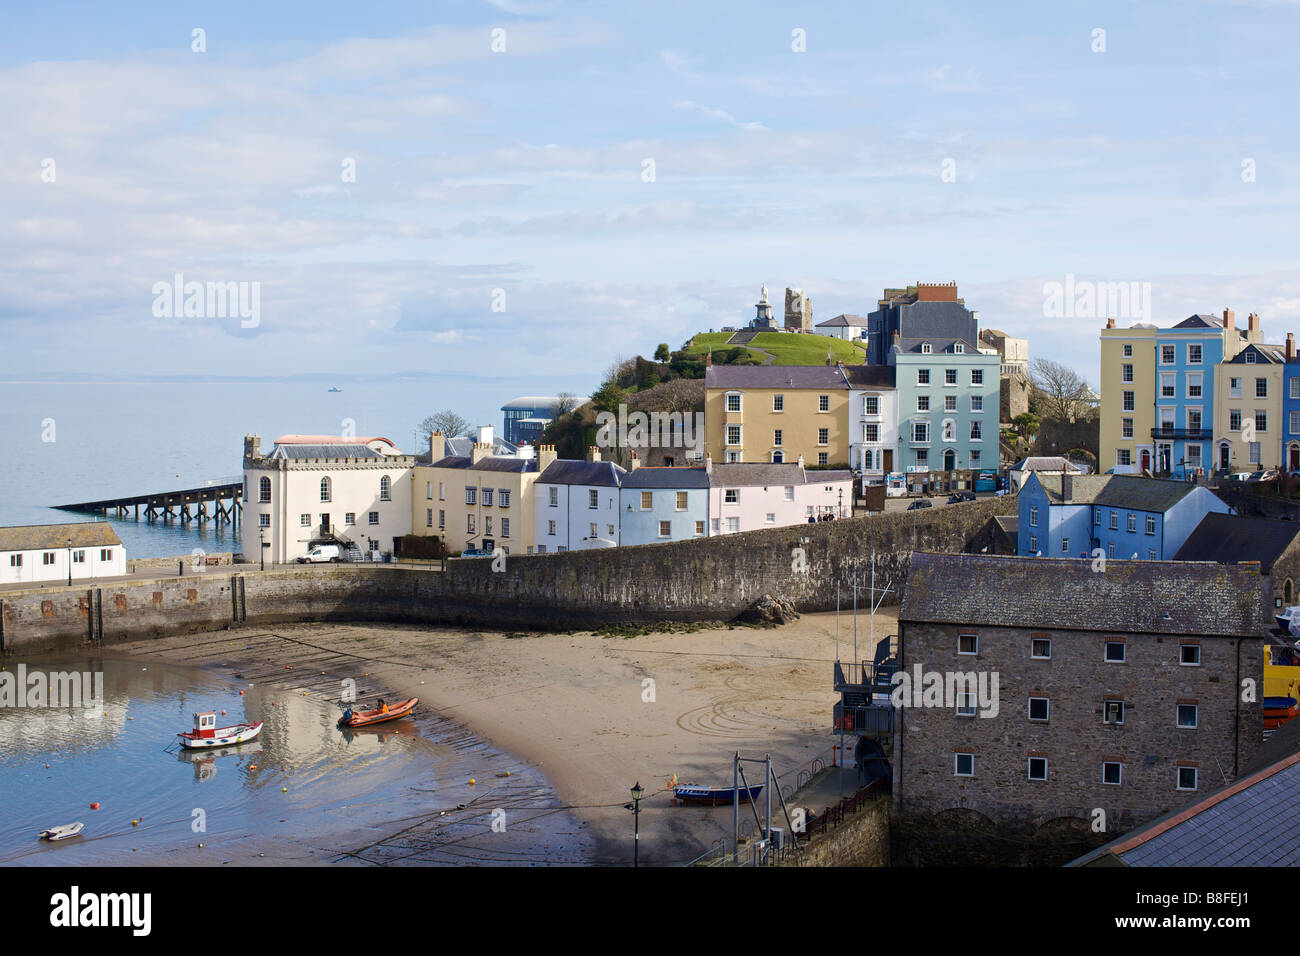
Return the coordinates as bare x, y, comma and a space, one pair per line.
323, 489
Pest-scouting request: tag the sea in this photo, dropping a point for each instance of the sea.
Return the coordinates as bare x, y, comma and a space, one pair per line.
64, 443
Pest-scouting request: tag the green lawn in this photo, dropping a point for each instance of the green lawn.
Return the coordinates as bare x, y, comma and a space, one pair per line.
788, 348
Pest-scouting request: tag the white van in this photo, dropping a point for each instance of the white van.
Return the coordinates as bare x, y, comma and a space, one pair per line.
320, 554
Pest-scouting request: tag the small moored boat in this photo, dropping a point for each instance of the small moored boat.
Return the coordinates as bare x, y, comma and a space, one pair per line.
207, 734
363, 718
1284, 619
713, 796
63, 832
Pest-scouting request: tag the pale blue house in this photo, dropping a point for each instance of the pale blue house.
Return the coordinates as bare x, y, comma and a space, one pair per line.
1125, 516
663, 504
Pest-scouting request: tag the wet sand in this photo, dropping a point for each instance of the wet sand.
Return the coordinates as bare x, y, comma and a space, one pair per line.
593, 713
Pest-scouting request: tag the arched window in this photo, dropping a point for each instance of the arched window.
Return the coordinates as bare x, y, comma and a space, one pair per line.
264, 490
385, 489
324, 489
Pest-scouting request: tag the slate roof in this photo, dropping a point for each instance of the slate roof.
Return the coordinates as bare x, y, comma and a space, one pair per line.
751, 474
774, 376
1132, 492
294, 452
1199, 321
1246, 823
565, 471
37, 537
1229, 539
330, 440
871, 376
1264, 355
489, 463
843, 321
1008, 523
1048, 463
652, 477
1137, 597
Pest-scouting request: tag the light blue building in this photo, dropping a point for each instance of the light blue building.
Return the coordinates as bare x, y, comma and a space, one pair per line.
948, 396
1186, 356
1125, 516
663, 504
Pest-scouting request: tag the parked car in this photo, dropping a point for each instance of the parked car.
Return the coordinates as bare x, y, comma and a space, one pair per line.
474, 553
321, 554
918, 505
1269, 474
1294, 474
956, 498
1239, 476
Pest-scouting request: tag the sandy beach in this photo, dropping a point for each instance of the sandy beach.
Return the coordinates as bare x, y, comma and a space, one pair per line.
594, 714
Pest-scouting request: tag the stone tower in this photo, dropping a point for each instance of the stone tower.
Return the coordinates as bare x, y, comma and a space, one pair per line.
798, 310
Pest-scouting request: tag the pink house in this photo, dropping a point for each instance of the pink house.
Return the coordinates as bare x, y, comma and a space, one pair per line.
746, 496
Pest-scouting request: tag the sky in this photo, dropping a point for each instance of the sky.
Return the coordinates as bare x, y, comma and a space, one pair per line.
544, 186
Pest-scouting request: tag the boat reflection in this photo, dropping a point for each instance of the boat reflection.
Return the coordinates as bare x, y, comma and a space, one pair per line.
390, 728
205, 761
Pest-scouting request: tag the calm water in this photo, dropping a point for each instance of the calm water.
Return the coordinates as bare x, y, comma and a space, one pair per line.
127, 439
54, 762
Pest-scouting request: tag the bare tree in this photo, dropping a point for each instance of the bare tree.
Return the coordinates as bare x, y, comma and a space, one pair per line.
446, 421
565, 402
1063, 391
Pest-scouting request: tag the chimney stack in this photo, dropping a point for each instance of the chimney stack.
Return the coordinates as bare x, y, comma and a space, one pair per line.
545, 455
1229, 319
1290, 347
1067, 487
635, 463
593, 454
485, 435
437, 446
708, 359
1110, 323
1252, 322
479, 452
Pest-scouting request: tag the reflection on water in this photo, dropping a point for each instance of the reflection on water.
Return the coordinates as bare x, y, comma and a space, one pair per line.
55, 762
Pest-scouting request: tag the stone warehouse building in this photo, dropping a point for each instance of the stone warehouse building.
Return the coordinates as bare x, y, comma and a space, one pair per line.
1118, 691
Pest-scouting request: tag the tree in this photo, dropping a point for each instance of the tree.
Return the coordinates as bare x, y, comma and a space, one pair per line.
565, 402
1026, 425
446, 421
1062, 390
661, 353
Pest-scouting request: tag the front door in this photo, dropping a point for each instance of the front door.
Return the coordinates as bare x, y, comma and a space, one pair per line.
1146, 460
1295, 457
1223, 456
949, 460
325, 524
889, 460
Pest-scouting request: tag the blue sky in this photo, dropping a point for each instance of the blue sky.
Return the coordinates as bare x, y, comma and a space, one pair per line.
522, 171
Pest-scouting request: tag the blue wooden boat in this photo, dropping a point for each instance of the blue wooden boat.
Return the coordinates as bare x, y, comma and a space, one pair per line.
713, 796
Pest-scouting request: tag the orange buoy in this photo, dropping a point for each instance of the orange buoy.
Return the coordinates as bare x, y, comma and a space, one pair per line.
241, 693
94, 806
471, 781
223, 713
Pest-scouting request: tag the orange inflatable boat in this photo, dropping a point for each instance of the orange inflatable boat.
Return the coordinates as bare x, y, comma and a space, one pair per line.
363, 718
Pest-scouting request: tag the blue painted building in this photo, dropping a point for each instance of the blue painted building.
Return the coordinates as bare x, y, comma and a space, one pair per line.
1123, 515
663, 504
1186, 356
1291, 407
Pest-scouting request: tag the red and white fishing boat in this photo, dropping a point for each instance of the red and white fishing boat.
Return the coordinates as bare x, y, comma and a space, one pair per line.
206, 733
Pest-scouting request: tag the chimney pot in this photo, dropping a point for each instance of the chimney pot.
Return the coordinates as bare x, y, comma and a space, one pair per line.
1110, 323
593, 454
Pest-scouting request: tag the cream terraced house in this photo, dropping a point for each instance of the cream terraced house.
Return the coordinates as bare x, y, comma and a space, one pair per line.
776, 414
1248, 413
479, 501
325, 489
1128, 389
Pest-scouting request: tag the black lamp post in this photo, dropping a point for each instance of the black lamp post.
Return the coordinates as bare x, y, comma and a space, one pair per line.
69, 562
637, 794
261, 540
841, 503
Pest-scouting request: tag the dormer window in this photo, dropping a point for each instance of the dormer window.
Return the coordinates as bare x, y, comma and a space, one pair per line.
925, 348
1250, 358
959, 348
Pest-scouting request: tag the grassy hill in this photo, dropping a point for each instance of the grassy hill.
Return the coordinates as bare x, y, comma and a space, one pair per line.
785, 348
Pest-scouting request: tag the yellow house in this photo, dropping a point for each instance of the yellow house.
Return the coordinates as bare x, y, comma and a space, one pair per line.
480, 501
1128, 388
777, 413
1248, 409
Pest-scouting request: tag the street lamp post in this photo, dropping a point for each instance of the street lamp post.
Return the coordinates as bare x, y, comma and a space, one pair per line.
69, 562
261, 540
637, 793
